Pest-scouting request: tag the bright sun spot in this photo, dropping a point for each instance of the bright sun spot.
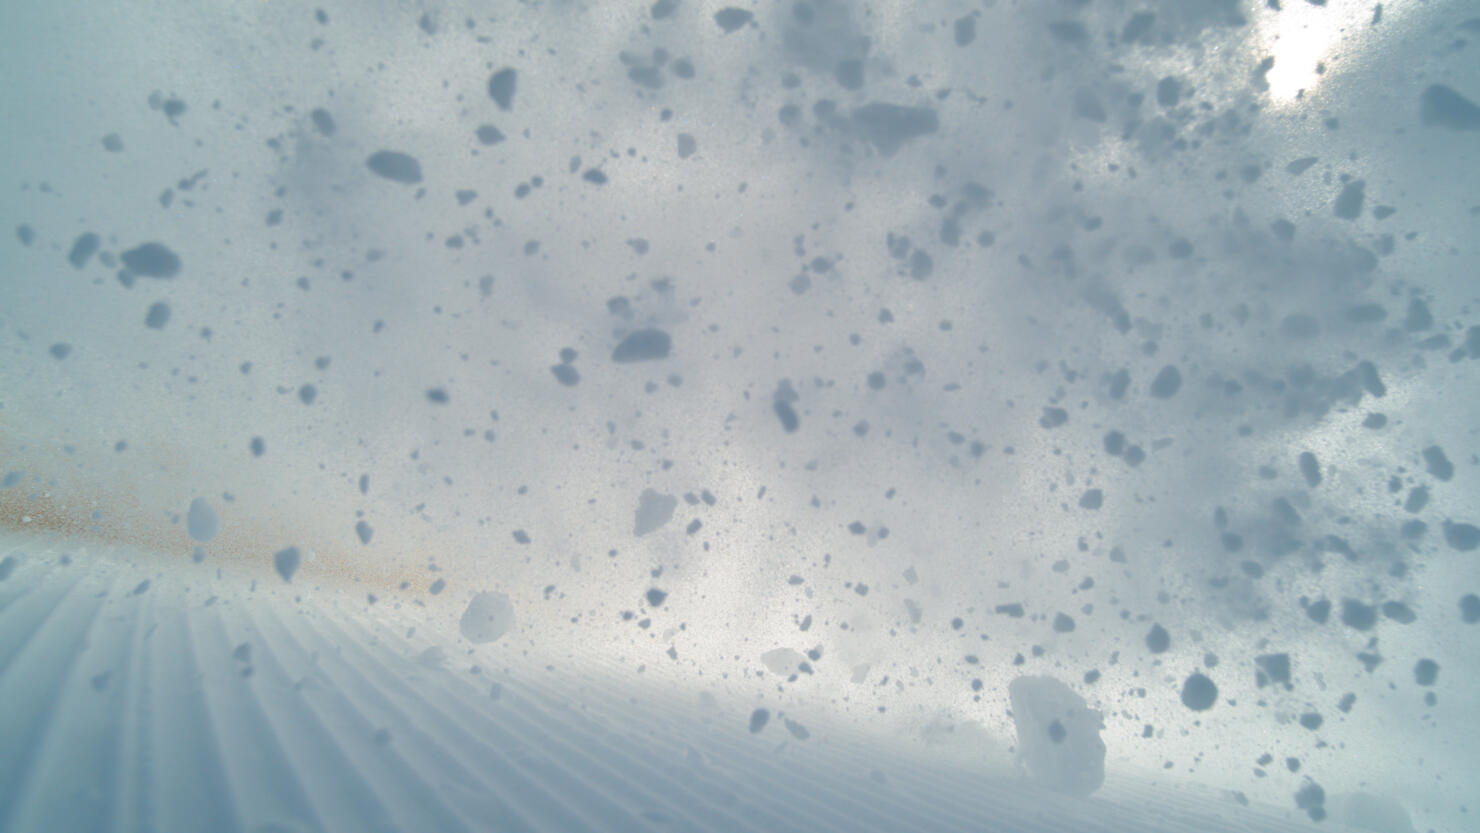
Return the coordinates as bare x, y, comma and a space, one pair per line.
1309, 44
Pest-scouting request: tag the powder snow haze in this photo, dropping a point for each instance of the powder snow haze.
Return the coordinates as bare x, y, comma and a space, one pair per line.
1078, 392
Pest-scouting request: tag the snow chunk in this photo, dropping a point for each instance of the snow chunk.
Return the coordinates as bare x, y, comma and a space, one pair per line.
395, 166
1058, 735
1158, 641
796, 729
1462, 537
643, 346
151, 260
488, 617
201, 521
782, 661
888, 126
758, 720
287, 562
1441, 106
1365, 811
157, 316
501, 87
1167, 382
653, 511
1199, 693
731, 19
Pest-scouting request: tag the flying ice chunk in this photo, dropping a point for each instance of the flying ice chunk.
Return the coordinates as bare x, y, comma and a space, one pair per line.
1441, 106
653, 511
287, 562
501, 87
758, 719
157, 316
731, 19
1199, 693
201, 521
151, 260
1058, 735
782, 661
888, 126
395, 166
1365, 811
643, 346
488, 617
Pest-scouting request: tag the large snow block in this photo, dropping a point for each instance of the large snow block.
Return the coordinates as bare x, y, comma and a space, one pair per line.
1058, 735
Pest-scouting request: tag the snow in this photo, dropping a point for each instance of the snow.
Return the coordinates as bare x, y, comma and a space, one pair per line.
654, 510
782, 661
1368, 811
201, 521
487, 617
1058, 735
286, 562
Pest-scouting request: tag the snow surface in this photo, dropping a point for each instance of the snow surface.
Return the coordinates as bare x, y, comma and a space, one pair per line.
248, 708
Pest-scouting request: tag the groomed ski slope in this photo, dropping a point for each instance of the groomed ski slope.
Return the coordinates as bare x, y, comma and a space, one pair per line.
200, 701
